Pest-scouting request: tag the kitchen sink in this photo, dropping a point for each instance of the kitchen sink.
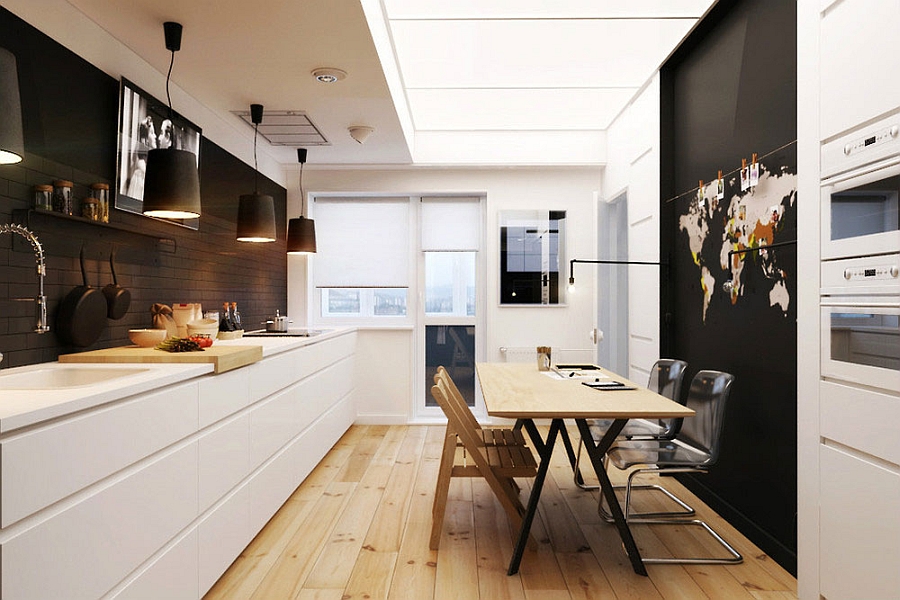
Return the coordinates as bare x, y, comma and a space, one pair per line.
52, 378
293, 333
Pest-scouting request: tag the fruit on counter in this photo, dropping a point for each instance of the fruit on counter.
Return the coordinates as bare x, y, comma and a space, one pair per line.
205, 341
176, 344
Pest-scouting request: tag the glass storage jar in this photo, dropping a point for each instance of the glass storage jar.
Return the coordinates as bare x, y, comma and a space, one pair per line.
43, 197
62, 197
100, 191
90, 209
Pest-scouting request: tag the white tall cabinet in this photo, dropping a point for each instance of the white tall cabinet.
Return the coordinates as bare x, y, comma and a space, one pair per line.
848, 453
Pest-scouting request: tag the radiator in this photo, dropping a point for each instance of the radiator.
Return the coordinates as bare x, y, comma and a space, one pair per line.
558, 355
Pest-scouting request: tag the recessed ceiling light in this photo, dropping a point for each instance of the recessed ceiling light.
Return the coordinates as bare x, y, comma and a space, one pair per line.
328, 75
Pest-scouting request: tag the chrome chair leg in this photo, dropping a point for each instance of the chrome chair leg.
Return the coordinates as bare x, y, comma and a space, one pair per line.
734, 557
687, 510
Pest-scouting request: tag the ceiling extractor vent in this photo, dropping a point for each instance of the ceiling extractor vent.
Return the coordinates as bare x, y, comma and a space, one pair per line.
287, 128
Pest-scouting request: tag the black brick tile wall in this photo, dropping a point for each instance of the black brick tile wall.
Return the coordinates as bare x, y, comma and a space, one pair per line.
74, 137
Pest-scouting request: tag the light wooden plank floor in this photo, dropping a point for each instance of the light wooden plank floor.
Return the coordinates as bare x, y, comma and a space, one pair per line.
358, 527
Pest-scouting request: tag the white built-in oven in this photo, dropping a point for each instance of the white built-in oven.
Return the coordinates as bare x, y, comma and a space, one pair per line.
860, 320
861, 192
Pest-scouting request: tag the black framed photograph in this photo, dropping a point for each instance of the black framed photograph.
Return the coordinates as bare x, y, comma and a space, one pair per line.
144, 124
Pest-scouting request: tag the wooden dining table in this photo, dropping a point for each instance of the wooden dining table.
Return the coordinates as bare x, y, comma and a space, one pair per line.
519, 391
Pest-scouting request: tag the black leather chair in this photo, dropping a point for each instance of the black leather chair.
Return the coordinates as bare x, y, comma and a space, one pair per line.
666, 377
693, 450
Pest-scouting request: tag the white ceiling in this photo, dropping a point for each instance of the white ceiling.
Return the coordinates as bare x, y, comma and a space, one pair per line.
462, 82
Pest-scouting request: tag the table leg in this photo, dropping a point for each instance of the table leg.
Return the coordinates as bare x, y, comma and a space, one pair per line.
545, 451
597, 452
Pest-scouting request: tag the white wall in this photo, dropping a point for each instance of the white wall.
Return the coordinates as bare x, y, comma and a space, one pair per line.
633, 167
569, 189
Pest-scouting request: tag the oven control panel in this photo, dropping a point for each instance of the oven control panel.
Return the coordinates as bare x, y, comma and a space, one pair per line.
881, 136
878, 141
871, 273
863, 275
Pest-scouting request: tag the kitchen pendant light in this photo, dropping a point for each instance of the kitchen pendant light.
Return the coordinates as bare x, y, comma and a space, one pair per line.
256, 212
12, 144
171, 182
301, 231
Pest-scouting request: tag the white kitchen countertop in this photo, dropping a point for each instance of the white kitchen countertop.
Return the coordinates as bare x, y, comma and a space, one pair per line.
22, 408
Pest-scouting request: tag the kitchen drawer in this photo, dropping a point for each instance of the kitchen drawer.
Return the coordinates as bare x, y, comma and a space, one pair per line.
859, 542
44, 465
272, 485
316, 357
860, 418
172, 576
286, 414
224, 459
223, 394
224, 533
272, 374
85, 550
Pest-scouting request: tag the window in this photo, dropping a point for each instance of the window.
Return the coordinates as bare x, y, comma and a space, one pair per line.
364, 302
450, 284
363, 261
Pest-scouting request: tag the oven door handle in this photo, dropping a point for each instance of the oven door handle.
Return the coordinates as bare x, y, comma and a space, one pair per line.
862, 171
866, 304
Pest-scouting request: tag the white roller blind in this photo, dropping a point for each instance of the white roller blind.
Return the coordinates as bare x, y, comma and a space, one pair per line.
362, 242
451, 224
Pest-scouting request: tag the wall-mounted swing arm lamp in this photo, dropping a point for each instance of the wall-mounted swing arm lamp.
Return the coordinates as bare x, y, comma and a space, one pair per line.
728, 285
171, 182
571, 286
256, 212
12, 142
301, 237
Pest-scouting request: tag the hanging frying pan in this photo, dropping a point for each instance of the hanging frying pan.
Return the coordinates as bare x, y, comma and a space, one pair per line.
118, 299
82, 313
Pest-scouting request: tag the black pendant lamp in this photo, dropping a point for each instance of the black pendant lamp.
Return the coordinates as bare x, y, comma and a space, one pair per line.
301, 231
256, 212
12, 142
171, 183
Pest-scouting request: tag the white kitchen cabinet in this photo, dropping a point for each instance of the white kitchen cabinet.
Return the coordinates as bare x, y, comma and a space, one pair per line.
859, 547
223, 534
154, 495
87, 548
171, 575
48, 463
859, 58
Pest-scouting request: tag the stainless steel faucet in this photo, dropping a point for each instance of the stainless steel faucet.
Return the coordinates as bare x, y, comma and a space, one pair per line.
41, 300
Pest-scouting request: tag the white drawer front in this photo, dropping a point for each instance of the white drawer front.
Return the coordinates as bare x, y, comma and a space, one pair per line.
47, 464
272, 374
224, 459
318, 356
93, 545
859, 544
860, 418
172, 576
223, 535
223, 394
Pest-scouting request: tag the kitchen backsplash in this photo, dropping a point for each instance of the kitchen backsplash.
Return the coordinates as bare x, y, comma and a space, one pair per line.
73, 137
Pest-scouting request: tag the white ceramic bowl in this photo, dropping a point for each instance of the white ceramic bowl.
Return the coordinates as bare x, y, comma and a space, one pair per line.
208, 327
146, 338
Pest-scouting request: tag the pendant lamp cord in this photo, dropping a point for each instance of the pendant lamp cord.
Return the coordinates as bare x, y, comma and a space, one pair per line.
255, 162
168, 95
302, 195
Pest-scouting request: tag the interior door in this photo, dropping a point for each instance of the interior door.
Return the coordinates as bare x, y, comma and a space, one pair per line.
612, 284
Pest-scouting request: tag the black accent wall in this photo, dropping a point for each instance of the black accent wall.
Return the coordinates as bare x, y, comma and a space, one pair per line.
728, 92
70, 113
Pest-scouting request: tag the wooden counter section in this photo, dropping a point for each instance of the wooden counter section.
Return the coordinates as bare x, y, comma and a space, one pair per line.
223, 358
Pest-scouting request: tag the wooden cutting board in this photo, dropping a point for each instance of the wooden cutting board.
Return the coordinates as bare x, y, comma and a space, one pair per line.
223, 358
